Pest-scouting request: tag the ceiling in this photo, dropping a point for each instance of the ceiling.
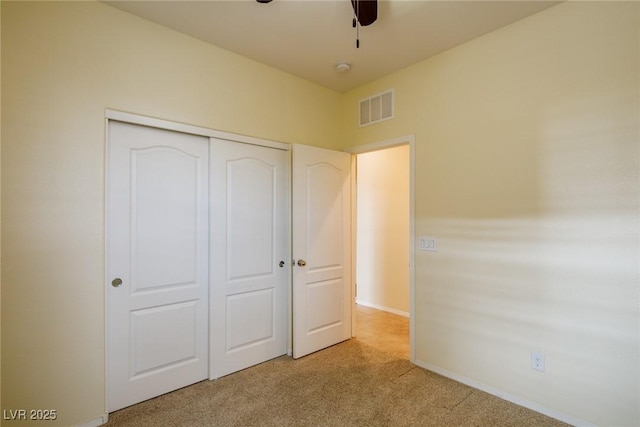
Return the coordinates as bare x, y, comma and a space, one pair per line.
307, 38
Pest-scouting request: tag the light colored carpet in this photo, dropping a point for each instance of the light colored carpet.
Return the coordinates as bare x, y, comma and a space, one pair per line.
350, 384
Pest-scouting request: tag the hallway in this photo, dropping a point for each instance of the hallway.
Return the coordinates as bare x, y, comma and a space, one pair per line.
385, 331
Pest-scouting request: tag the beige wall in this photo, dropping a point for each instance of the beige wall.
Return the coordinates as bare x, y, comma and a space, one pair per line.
527, 171
63, 63
0, 219
383, 229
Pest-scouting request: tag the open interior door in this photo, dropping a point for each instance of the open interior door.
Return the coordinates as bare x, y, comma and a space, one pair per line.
321, 216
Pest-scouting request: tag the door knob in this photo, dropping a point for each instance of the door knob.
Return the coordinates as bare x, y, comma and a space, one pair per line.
116, 282
302, 263
281, 264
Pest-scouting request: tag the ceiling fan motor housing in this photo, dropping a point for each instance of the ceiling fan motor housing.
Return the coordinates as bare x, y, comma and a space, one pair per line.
366, 11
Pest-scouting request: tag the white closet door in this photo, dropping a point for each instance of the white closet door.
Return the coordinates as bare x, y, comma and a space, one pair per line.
322, 299
157, 262
250, 260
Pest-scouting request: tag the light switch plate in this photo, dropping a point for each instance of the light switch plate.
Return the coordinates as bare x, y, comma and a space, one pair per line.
428, 243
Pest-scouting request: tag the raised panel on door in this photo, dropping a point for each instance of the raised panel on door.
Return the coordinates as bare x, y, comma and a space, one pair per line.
250, 254
321, 207
157, 247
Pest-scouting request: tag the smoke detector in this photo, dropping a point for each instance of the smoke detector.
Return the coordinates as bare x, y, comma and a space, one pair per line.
343, 67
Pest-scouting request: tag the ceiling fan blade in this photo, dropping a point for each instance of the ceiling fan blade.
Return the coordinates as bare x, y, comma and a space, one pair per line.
366, 11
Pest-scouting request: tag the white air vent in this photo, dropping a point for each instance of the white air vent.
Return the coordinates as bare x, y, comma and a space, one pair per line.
377, 108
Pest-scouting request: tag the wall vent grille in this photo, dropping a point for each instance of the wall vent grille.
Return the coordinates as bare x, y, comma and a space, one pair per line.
376, 108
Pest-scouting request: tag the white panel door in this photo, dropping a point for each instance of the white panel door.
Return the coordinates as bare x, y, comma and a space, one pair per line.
321, 207
157, 262
250, 256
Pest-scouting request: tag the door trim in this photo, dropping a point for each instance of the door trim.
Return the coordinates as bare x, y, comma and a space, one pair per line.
121, 116
367, 148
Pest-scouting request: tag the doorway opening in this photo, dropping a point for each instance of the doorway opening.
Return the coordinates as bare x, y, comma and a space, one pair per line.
383, 245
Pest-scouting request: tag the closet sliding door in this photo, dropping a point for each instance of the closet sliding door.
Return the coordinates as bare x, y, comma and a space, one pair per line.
250, 259
157, 212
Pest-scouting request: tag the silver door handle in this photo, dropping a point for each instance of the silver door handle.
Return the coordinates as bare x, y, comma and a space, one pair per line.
281, 264
116, 282
302, 263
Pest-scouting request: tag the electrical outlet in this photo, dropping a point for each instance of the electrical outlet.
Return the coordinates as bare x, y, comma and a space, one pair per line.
537, 361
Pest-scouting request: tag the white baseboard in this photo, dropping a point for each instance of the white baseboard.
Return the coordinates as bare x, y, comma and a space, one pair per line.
380, 307
95, 422
506, 396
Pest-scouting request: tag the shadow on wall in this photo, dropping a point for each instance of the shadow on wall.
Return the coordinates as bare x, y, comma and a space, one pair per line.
543, 256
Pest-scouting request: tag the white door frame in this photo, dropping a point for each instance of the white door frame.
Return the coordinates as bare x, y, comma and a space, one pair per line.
367, 148
195, 130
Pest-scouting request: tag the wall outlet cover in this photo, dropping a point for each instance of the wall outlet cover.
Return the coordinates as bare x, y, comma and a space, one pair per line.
537, 361
428, 243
